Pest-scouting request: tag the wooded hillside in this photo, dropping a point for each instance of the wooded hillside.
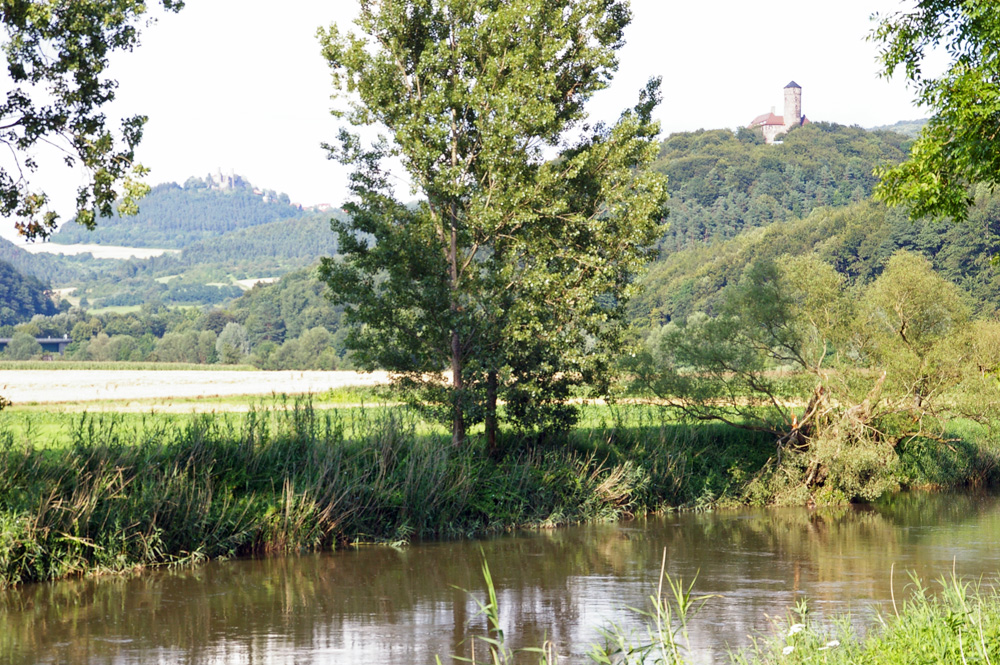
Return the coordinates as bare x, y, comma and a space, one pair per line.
174, 216
22, 297
722, 184
736, 200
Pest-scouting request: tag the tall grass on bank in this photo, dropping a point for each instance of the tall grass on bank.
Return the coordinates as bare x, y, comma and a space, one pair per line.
957, 622
119, 491
127, 492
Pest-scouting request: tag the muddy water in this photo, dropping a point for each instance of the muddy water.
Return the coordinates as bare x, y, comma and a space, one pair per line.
381, 605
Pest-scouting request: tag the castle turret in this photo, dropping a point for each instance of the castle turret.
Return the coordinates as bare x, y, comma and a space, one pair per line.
793, 105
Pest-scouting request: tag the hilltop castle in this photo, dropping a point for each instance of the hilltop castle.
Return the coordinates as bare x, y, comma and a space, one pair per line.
774, 126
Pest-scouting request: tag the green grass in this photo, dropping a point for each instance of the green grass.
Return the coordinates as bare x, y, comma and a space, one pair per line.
114, 491
46, 427
119, 491
953, 621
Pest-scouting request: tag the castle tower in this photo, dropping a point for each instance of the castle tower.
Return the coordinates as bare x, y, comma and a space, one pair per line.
793, 105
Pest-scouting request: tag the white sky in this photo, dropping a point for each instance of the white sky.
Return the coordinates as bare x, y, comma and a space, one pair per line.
240, 84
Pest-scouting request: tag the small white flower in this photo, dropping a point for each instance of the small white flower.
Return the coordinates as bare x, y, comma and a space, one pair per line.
796, 628
830, 645
787, 650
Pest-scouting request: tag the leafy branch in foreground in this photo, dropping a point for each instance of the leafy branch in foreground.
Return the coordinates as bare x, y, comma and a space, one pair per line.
56, 54
960, 144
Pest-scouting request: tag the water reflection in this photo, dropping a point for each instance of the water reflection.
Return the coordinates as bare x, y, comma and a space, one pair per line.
402, 606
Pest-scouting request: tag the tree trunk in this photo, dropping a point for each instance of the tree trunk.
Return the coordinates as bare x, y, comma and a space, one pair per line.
491, 411
458, 417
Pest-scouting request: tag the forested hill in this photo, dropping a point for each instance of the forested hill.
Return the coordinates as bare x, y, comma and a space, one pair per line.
47, 267
909, 128
857, 240
21, 296
174, 216
723, 184
269, 248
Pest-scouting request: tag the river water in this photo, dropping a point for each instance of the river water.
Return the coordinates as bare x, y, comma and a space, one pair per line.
384, 605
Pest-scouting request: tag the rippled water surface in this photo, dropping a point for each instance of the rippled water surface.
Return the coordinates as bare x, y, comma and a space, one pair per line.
382, 605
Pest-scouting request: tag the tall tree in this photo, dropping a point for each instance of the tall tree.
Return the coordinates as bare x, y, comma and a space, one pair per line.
514, 266
960, 144
57, 53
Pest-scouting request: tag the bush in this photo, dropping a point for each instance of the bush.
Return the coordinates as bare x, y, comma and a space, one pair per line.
23, 346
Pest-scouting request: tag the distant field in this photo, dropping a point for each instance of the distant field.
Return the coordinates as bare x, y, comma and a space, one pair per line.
86, 365
158, 390
247, 284
115, 309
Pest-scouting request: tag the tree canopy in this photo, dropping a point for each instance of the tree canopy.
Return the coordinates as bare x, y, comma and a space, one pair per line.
514, 266
57, 53
174, 217
722, 184
21, 297
960, 144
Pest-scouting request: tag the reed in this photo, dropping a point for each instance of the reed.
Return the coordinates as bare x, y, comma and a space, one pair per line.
954, 621
114, 492
124, 492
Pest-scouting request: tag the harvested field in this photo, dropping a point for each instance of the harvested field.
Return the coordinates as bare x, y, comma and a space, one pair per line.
75, 386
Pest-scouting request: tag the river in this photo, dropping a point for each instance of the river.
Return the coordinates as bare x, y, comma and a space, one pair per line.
385, 605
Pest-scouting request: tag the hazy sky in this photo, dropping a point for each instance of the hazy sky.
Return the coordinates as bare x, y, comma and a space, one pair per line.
240, 84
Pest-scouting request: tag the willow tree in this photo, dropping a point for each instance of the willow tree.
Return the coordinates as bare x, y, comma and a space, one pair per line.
512, 268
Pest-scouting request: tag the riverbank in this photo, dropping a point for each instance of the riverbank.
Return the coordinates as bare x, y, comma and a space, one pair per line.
112, 492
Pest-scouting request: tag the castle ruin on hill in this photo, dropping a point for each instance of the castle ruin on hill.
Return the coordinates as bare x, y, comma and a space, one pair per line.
773, 125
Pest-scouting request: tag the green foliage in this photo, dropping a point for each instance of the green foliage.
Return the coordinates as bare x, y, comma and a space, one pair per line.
267, 249
723, 184
22, 346
957, 622
908, 128
56, 57
224, 235
840, 377
46, 267
128, 491
905, 315
232, 344
302, 327
856, 240
175, 217
513, 269
285, 309
21, 297
187, 347
958, 147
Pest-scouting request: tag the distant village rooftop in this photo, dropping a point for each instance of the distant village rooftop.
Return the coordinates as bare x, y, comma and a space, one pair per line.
773, 125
